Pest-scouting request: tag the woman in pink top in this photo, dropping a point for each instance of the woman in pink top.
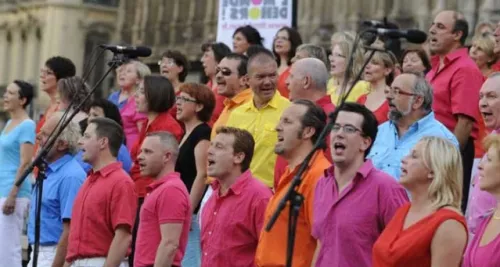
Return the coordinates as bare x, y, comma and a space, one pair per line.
129, 76
484, 250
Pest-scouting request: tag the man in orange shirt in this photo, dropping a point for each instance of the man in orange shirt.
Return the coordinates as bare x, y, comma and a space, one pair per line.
298, 129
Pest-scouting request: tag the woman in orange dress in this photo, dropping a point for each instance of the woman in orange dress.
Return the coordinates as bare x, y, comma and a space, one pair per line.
430, 230
285, 44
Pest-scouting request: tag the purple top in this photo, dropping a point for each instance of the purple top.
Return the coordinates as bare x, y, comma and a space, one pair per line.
130, 117
480, 203
482, 256
347, 225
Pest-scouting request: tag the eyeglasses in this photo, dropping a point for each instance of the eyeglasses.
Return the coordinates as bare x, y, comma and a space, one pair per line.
348, 129
223, 71
184, 99
396, 91
46, 72
168, 62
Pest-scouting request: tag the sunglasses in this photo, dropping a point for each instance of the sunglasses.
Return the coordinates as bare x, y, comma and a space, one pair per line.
225, 72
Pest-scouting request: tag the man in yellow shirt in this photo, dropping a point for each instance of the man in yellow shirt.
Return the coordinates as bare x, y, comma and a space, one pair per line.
232, 82
261, 115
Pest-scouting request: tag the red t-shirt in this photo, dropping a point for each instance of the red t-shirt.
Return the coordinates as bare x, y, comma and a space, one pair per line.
381, 112
163, 122
106, 200
282, 88
219, 104
496, 66
231, 224
456, 88
167, 202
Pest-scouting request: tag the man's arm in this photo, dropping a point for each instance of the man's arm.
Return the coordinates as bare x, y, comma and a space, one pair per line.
62, 246
119, 246
170, 235
463, 129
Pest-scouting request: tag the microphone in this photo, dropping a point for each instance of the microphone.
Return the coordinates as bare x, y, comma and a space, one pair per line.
373, 23
131, 51
413, 36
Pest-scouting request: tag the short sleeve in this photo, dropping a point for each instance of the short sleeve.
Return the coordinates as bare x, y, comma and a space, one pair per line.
465, 86
172, 206
68, 190
391, 197
123, 204
27, 132
124, 158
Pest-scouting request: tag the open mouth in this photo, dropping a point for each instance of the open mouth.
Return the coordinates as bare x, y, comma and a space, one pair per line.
403, 171
211, 162
486, 115
338, 147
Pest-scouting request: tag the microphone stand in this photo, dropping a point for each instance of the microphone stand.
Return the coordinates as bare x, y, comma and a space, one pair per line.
292, 195
42, 165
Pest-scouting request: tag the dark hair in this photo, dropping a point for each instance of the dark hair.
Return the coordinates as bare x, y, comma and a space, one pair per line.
180, 60
203, 95
220, 50
262, 53
314, 117
61, 66
257, 49
159, 92
461, 25
242, 66
26, 90
369, 127
295, 41
73, 89
243, 143
108, 128
251, 34
421, 54
110, 110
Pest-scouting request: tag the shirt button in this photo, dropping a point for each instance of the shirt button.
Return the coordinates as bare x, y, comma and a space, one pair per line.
215, 212
205, 254
209, 233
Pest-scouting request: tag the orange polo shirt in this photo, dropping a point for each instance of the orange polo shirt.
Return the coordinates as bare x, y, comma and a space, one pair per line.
230, 104
271, 250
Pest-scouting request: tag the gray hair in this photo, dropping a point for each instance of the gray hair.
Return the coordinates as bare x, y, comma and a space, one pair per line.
315, 69
423, 88
314, 51
141, 69
71, 134
168, 141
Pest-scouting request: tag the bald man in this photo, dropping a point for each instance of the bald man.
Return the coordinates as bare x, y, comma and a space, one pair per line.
261, 115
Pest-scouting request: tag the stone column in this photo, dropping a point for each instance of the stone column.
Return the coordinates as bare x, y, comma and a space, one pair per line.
17, 54
32, 56
5, 60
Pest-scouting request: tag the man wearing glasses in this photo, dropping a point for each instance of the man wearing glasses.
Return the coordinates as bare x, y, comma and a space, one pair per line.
354, 201
410, 118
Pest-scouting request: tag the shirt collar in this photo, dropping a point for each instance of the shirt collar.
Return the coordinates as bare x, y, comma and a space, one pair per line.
272, 103
362, 172
239, 98
324, 100
162, 180
107, 170
56, 165
420, 123
450, 57
238, 186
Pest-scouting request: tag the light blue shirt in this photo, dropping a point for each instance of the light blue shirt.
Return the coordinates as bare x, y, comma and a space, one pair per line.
123, 157
115, 99
10, 156
389, 149
64, 178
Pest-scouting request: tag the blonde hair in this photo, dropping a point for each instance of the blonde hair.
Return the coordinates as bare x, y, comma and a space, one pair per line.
443, 158
487, 44
345, 41
141, 69
492, 141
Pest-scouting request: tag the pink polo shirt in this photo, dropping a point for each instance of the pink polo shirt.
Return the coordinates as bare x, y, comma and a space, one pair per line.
231, 224
166, 202
456, 88
347, 225
130, 118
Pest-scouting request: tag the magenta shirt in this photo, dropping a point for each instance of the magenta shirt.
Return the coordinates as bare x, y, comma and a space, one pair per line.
347, 225
166, 202
130, 118
455, 86
485, 256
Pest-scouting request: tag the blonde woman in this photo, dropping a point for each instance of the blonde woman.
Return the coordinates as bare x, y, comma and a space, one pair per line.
484, 249
482, 52
430, 230
342, 48
129, 77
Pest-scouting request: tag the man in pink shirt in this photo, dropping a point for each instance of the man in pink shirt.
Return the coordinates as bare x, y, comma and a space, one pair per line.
233, 216
165, 216
456, 80
354, 201
481, 202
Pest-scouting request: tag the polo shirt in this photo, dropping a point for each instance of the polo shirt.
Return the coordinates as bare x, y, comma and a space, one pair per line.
106, 200
230, 104
231, 224
389, 149
261, 123
164, 122
64, 178
348, 223
456, 88
271, 250
167, 202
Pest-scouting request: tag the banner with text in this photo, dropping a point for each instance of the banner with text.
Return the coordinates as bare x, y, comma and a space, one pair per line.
267, 16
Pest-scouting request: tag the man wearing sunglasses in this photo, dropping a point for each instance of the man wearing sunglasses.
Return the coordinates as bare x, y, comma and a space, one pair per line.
410, 118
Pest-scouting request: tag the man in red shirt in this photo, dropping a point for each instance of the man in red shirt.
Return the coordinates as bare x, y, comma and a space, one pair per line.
456, 81
165, 215
104, 209
233, 216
